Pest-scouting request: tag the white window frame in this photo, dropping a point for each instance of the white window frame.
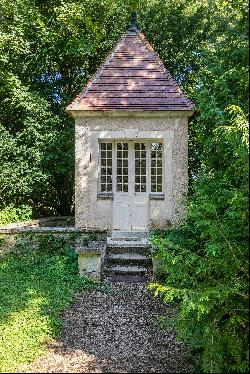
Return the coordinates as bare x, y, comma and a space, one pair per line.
100, 192
114, 165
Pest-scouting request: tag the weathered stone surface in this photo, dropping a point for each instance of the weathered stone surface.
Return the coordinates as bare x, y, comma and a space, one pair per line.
39, 230
90, 257
55, 221
90, 265
127, 258
95, 213
94, 247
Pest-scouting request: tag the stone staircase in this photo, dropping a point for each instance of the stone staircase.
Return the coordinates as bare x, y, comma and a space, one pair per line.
127, 258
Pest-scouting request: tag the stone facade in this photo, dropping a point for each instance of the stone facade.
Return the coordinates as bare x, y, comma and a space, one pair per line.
95, 213
133, 103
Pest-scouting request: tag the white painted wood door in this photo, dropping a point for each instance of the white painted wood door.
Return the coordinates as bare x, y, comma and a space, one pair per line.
139, 211
121, 213
131, 187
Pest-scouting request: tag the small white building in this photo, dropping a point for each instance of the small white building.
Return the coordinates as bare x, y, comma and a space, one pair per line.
131, 142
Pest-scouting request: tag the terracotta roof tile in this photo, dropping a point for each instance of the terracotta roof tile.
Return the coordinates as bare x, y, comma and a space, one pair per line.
132, 78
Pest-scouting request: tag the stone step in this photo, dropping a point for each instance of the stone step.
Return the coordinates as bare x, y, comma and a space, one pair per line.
127, 278
125, 270
127, 243
128, 235
140, 250
128, 259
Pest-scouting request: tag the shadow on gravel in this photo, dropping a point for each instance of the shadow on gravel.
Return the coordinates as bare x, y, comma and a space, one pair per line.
114, 329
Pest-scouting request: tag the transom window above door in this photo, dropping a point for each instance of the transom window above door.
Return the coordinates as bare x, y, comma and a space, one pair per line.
131, 167
156, 167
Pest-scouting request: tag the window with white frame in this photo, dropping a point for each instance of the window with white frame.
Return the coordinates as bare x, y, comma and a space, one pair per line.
156, 167
144, 171
140, 150
106, 164
122, 167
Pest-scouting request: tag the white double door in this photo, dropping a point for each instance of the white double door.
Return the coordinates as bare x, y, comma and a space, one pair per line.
131, 185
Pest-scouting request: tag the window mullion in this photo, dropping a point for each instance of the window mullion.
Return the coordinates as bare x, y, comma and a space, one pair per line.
148, 188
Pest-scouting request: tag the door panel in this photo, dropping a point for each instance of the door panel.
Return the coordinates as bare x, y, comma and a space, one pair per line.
139, 211
121, 214
121, 204
131, 190
139, 196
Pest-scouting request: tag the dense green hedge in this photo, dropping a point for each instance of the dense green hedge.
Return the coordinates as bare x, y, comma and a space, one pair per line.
205, 262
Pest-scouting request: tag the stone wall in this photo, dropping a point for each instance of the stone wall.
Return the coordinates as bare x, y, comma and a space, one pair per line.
89, 246
59, 223
92, 212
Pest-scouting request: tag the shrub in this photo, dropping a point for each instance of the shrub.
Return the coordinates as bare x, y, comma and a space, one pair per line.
11, 214
205, 262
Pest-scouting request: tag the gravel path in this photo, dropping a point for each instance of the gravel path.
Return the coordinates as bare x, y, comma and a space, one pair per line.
113, 330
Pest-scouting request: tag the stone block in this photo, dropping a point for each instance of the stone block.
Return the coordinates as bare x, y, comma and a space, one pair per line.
157, 265
90, 259
89, 264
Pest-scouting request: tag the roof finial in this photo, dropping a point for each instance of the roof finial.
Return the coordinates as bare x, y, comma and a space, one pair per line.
133, 26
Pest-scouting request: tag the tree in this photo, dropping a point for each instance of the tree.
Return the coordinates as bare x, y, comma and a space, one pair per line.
48, 49
205, 262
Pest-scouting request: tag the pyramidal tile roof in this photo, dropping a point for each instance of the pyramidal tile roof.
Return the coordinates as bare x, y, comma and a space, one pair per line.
132, 78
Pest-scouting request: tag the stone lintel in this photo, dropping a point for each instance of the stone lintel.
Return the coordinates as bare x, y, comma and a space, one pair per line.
76, 113
40, 230
107, 195
156, 196
93, 248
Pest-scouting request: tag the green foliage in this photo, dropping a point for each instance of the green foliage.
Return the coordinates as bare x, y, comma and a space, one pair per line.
48, 51
38, 278
205, 262
12, 214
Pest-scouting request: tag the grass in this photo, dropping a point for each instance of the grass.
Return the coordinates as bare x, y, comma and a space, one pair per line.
38, 278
